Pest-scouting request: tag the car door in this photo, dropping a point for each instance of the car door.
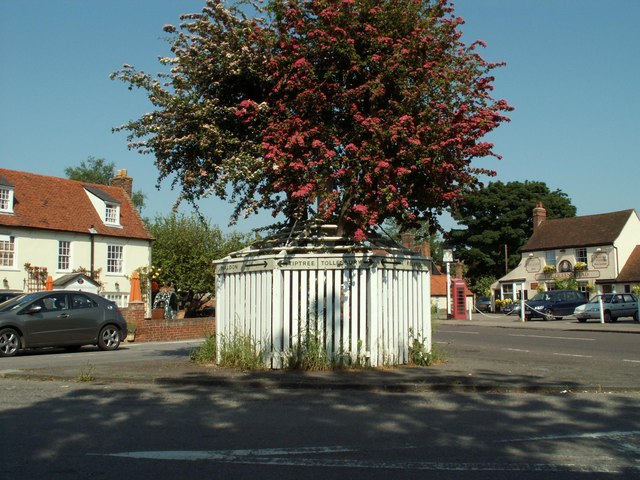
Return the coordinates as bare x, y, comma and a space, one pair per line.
46, 321
629, 305
569, 301
86, 316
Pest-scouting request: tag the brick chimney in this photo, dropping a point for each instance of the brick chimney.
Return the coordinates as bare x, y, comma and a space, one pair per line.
458, 273
539, 215
123, 181
407, 240
425, 249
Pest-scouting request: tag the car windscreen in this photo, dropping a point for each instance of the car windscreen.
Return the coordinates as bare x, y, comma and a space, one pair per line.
605, 299
18, 302
540, 297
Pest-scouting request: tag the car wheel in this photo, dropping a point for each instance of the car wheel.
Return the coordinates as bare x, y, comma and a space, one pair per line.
9, 342
635, 316
582, 320
548, 314
607, 317
109, 338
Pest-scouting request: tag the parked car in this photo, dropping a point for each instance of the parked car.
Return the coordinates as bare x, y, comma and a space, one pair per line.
614, 306
59, 319
6, 295
483, 304
553, 304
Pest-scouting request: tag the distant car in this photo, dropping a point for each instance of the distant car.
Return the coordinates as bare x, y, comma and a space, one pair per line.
614, 306
553, 304
59, 319
6, 295
483, 304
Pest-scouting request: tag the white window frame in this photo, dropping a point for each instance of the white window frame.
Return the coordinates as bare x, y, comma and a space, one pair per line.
7, 251
64, 254
581, 255
115, 259
112, 214
6, 199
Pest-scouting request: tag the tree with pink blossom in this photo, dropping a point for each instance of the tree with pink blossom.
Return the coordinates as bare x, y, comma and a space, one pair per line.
350, 112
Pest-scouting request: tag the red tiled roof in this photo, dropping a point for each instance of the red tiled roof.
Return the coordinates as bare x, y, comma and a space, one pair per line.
439, 286
630, 273
584, 231
60, 204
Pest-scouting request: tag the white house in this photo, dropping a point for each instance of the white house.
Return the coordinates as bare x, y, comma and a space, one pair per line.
600, 251
53, 226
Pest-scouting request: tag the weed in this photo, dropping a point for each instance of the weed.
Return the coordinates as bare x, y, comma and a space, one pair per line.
241, 351
309, 353
205, 353
86, 373
420, 355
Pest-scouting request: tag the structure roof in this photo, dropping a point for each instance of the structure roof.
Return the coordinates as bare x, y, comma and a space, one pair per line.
630, 273
60, 204
583, 231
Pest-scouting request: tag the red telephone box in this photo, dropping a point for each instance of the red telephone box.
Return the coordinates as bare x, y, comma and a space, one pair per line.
458, 299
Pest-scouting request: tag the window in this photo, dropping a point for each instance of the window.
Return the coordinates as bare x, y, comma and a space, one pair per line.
7, 251
581, 255
550, 257
6, 199
112, 214
81, 301
114, 258
64, 255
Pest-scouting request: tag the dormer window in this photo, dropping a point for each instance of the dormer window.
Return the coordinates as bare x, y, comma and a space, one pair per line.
6, 196
112, 214
107, 206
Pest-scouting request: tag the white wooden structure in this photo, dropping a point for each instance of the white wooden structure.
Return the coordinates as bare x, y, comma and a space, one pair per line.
363, 304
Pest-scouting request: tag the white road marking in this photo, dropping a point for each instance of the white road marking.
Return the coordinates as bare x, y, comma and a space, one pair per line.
456, 331
613, 434
556, 338
572, 355
632, 361
517, 350
603, 465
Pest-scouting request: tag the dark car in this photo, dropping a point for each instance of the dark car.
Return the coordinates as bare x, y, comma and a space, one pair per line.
6, 295
553, 304
483, 304
59, 319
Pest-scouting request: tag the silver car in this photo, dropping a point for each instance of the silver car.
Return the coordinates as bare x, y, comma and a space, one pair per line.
614, 306
59, 319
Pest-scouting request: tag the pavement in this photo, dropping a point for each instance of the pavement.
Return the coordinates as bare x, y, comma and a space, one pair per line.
455, 375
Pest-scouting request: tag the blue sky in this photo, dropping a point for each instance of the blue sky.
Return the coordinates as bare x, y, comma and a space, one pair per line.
572, 73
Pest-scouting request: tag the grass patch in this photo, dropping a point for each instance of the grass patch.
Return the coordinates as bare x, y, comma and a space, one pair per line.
205, 353
309, 353
238, 351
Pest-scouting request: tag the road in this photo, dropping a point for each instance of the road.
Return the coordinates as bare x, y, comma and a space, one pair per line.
71, 430
67, 430
607, 359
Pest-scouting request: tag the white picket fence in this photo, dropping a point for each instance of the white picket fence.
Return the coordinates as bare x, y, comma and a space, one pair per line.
365, 306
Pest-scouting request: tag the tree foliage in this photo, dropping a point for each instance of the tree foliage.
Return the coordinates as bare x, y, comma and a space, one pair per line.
98, 170
185, 248
348, 111
501, 214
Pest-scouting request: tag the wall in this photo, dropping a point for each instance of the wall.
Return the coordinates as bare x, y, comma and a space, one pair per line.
161, 330
40, 248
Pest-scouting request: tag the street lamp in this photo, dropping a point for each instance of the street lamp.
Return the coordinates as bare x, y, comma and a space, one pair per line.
447, 258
